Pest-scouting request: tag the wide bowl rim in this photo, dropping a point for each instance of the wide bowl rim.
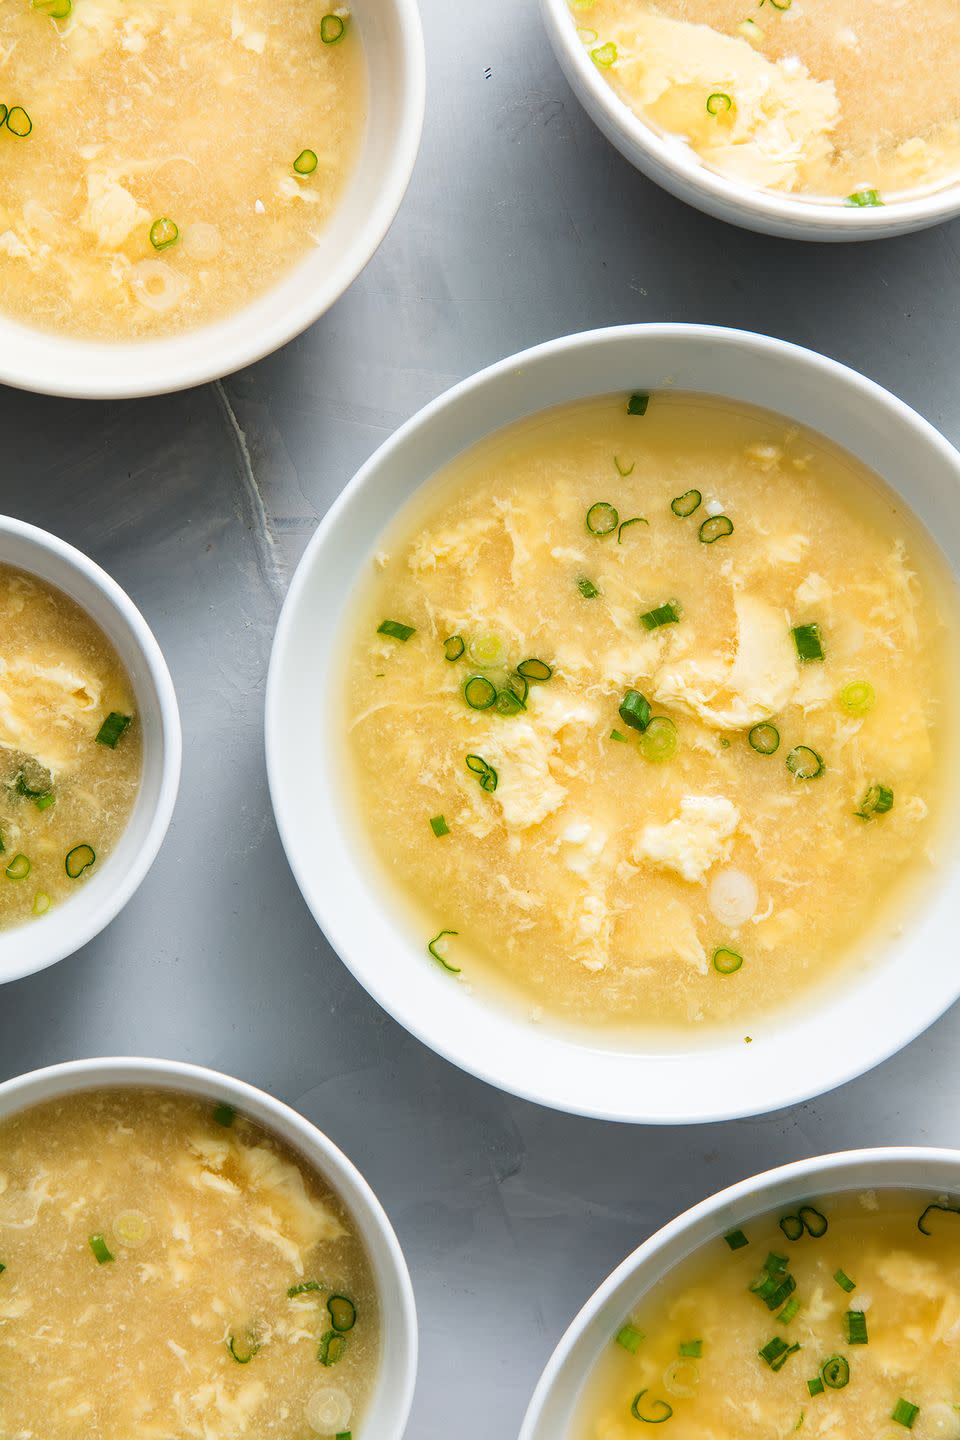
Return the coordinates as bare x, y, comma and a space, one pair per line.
679, 168
178, 362
39, 951
324, 907
738, 1203
119, 1071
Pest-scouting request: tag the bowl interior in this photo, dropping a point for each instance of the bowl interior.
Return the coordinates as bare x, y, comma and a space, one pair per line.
390, 1404
68, 926
848, 1033
46, 362
554, 1403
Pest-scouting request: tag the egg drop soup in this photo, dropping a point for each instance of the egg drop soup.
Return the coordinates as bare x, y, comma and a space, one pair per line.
173, 1270
850, 101
649, 709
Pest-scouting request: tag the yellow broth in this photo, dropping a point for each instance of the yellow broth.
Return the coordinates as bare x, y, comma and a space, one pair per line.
190, 111
598, 880
794, 96
693, 1343
63, 793
150, 1241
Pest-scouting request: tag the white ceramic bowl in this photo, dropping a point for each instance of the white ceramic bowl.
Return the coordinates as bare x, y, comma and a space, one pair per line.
554, 1403
861, 1024
389, 1408
676, 166
52, 364
71, 924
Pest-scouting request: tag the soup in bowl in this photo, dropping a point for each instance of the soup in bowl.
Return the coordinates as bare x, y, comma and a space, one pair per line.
279, 1304
622, 736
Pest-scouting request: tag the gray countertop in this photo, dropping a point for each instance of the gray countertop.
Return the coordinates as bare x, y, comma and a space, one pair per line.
522, 223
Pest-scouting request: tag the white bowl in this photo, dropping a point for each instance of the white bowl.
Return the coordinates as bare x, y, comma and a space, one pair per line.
677, 167
53, 364
554, 1404
389, 1407
861, 1024
71, 924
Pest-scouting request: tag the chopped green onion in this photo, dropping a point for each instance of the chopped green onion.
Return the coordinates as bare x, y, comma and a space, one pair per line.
635, 710
789, 1310
780, 4
835, 1373
224, 1115
719, 103
453, 647
943, 1207
667, 614
343, 1435
479, 692
332, 29
736, 1239
774, 1289
686, 503
615, 735
432, 947
808, 642
343, 1313
485, 773
877, 801
587, 588
630, 1338
306, 162
812, 1221
691, 1349
537, 670
602, 518
764, 738
100, 1249
844, 1281
659, 741
112, 728
636, 520
243, 1350
43, 802
395, 629
41, 903
164, 233
2, 1268
29, 792
80, 858
18, 869
656, 1412
726, 962
56, 9
3, 115
439, 826
18, 122
804, 763
332, 1348
815, 1386
638, 403
716, 527
857, 698
777, 1352
856, 1323
624, 470
488, 652
904, 1413
513, 697
305, 1287
604, 55
792, 1226
864, 199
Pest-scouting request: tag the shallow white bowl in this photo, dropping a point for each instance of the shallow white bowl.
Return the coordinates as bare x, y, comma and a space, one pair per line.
52, 364
861, 1024
68, 926
389, 1407
554, 1403
676, 166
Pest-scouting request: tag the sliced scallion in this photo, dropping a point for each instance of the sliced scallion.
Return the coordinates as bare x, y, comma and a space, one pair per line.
488, 652
587, 588
3, 116
56, 9
602, 518
41, 903
655, 1412
764, 738
719, 103
808, 642
939, 1206
304, 1288
18, 869
736, 1239
439, 826
628, 1337
342, 1312
18, 122
453, 647
615, 735
844, 1281
686, 503
535, 670
864, 199
479, 692
101, 1249
396, 629
691, 1349
877, 801
604, 55
80, 858
164, 233
441, 960
635, 710
856, 1325
905, 1414
715, 527
835, 1372
112, 729
638, 403
332, 29
622, 469
858, 698
813, 1221
624, 524
243, 1348
792, 1226
777, 1352
667, 614
306, 162
485, 773
660, 741
512, 698
726, 962
789, 1311
804, 763
332, 1348
224, 1114
815, 1386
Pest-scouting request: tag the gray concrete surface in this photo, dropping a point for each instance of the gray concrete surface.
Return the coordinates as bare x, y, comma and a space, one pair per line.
522, 223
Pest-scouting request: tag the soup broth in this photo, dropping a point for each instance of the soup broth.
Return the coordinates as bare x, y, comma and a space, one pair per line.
183, 155
173, 1270
795, 96
851, 1332
70, 747
666, 741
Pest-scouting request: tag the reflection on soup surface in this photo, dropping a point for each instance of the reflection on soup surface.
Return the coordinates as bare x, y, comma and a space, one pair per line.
839, 1319
649, 702
793, 95
171, 1270
166, 161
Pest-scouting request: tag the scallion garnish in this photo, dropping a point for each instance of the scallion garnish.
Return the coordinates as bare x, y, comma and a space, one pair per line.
305, 1287
792, 1226
3, 116
877, 801
488, 652
764, 738
112, 728
43, 802
306, 162
813, 1221
439, 826
904, 1413
2, 1268
774, 1285
513, 697
736, 1239
654, 1413
858, 698
80, 858
332, 29
18, 869
56, 9
844, 1281
686, 503
659, 741
691, 1349
587, 588
719, 103
804, 763
856, 1323
453, 647
715, 527
808, 641
864, 199
479, 692
441, 960
667, 614
395, 629
622, 469
343, 1313
789, 1310
635, 710
243, 1349
835, 1372
638, 403
224, 1115
100, 1249
777, 1352
485, 773
164, 233
628, 1337
41, 903
602, 518
923, 1224
636, 520
604, 55
535, 670
332, 1348
615, 735
815, 1386
726, 962
18, 122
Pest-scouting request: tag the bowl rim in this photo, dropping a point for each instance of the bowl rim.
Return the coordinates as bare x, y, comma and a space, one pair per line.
739, 1203
37, 955
366, 1210
177, 362
765, 210
640, 1109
